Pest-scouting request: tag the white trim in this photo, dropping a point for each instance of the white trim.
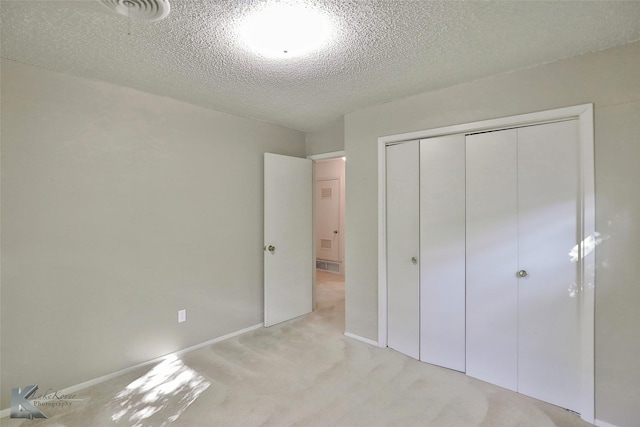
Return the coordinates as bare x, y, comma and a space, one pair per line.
314, 239
337, 178
382, 243
362, 339
584, 114
588, 261
493, 124
74, 388
324, 156
604, 424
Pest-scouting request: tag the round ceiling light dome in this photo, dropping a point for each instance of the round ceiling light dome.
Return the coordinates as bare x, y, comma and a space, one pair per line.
286, 30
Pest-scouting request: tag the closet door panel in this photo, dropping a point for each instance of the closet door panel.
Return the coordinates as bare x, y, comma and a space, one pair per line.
403, 250
491, 257
549, 333
442, 251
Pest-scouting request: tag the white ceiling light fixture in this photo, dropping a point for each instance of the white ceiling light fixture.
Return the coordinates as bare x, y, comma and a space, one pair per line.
284, 30
141, 10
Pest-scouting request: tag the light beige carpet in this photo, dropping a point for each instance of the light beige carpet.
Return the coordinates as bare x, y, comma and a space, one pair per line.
304, 372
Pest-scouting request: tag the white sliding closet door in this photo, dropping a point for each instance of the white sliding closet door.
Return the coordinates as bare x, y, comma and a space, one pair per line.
523, 320
492, 262
403, 248
442, 251
549, 317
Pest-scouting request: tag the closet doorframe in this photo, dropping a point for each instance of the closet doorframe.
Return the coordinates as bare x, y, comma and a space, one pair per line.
586, 222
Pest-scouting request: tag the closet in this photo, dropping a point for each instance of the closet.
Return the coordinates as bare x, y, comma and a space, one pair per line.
480, 279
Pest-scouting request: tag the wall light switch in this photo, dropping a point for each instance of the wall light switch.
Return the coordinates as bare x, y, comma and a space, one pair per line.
182, 315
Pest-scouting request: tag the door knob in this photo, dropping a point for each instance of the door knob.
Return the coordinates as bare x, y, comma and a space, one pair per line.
272, 249
414, 260
522, 273
335, 231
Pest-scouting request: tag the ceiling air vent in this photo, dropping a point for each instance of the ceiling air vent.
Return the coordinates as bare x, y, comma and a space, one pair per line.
142, 10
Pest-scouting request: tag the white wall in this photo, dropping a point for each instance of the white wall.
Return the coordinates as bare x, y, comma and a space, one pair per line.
611, 80
328, 139
331, 169
119, 208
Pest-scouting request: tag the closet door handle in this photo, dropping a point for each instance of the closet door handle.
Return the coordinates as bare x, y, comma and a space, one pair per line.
414, 260
522, 273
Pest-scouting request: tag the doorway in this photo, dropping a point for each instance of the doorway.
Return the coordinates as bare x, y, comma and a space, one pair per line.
329, 212
290, 278
329, 230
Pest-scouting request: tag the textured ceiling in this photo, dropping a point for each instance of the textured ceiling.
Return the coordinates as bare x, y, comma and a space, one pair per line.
382, 50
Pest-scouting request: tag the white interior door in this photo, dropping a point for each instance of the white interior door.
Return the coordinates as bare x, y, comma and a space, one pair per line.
492, 262
288, 240
328, 219
403, 248
442, 251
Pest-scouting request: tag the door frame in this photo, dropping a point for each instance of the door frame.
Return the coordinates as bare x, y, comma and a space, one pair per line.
586, 221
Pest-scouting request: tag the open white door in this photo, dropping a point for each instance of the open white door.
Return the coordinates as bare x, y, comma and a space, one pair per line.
288, 237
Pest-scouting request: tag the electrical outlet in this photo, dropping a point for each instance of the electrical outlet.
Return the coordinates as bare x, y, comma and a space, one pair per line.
182, 315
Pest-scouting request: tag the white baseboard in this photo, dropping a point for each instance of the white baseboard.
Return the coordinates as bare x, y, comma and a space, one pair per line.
74, 388
359, 338
604, 424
